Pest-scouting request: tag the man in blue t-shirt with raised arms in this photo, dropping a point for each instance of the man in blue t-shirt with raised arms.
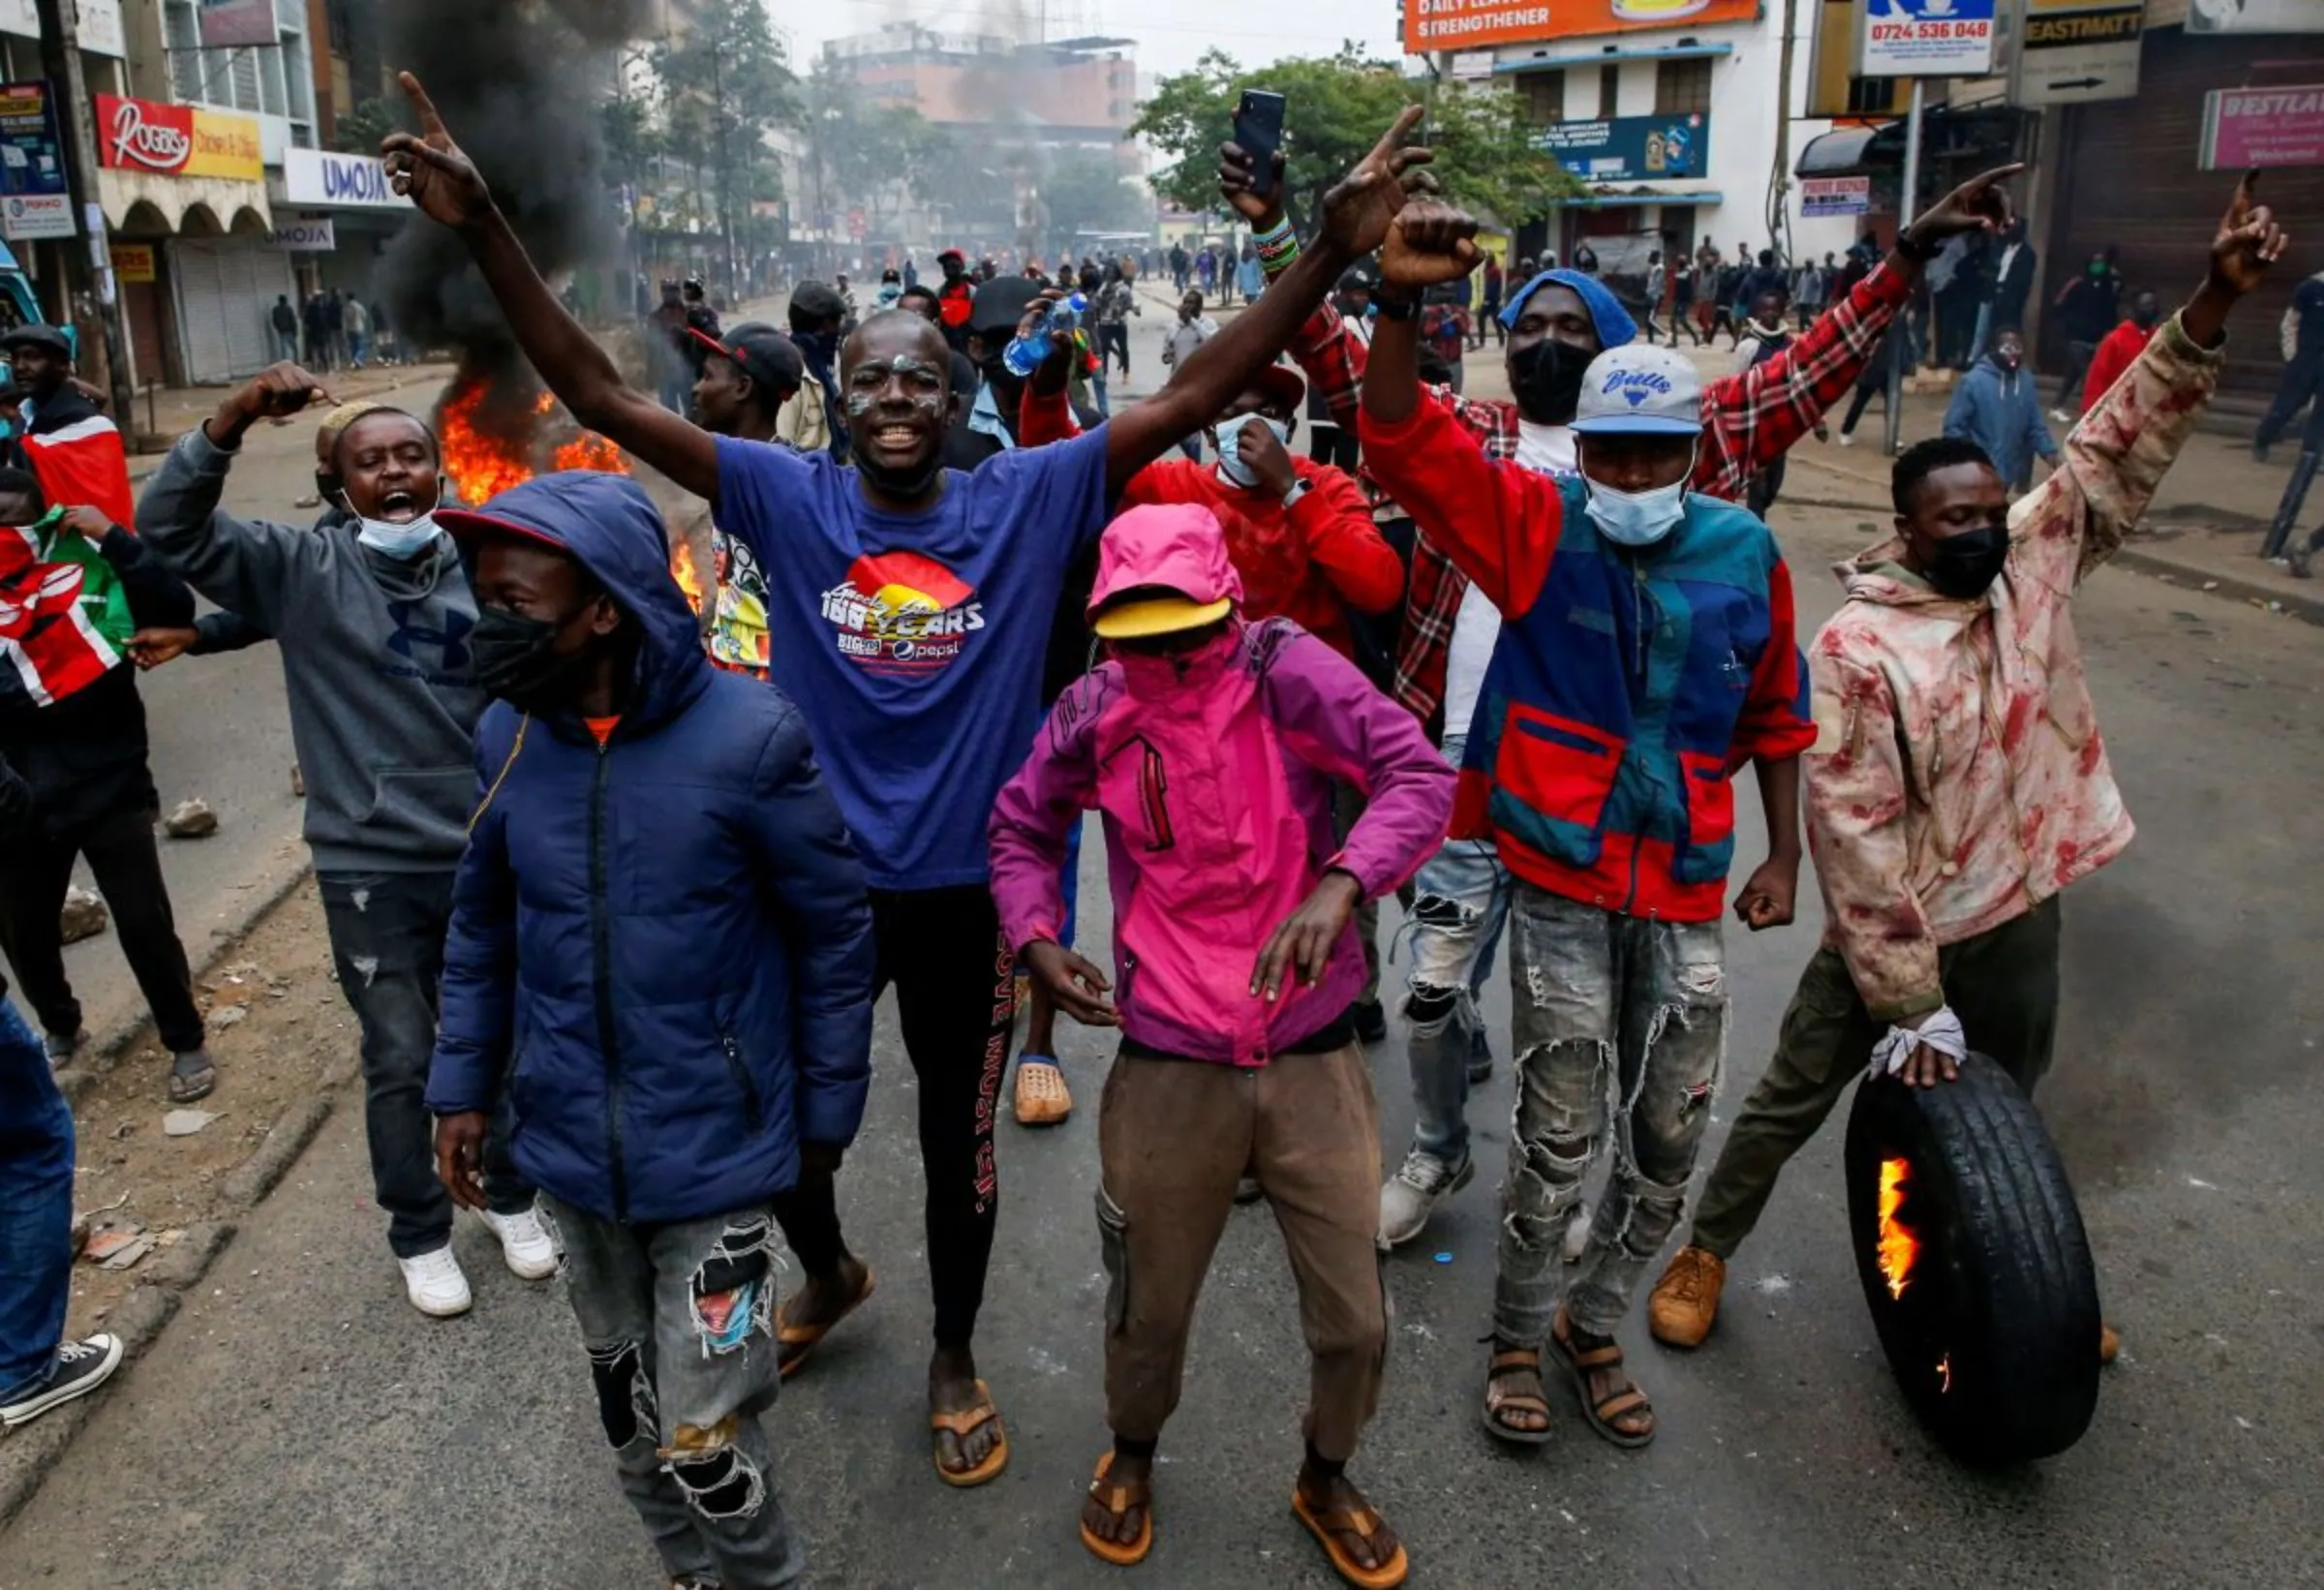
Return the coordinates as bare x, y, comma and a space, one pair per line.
908, 607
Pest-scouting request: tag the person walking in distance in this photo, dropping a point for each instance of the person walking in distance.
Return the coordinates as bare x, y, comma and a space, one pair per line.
1997, 407
376, 622
1941, 910
909, 617
2301, 337
669, 1079
1237, 1058
283, 321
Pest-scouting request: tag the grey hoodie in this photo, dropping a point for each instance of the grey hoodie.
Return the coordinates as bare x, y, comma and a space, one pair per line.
384, 699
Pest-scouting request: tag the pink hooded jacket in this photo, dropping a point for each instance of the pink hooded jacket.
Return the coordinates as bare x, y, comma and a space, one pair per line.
1215, 771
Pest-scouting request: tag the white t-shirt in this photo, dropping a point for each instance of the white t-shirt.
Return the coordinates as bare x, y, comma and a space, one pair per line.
1548, 449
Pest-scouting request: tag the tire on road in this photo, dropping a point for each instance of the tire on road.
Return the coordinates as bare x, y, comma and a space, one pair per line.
1994, 1332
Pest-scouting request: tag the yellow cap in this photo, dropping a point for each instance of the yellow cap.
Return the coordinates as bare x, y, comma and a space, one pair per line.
1152, 616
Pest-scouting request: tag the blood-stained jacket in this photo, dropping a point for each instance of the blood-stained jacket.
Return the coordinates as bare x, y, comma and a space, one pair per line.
1958, 778
1214, 772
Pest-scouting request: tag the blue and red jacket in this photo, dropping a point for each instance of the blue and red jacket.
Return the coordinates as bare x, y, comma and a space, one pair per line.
1628, 687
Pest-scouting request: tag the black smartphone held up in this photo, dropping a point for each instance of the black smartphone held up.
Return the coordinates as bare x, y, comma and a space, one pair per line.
1259, 132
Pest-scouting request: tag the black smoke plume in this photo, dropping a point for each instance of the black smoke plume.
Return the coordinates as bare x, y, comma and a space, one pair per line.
519, 83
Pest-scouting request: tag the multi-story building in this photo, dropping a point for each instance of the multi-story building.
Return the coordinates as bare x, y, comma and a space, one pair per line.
1667, 110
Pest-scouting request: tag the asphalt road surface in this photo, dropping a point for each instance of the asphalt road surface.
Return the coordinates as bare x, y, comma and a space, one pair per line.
298, 1425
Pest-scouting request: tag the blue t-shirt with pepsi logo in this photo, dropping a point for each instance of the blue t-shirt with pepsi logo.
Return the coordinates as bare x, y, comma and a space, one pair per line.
913, 643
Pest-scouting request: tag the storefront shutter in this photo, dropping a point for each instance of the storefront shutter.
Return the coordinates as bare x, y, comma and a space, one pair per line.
225, 287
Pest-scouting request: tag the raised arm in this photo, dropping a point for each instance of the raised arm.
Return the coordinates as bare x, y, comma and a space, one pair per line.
1356, 218
429, 168
1753, 416
250, 567
2116, 457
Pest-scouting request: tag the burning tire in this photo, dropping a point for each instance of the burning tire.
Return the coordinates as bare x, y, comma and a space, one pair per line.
1974, 1264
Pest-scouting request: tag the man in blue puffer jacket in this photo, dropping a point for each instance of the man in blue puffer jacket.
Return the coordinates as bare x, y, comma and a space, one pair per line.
660, 939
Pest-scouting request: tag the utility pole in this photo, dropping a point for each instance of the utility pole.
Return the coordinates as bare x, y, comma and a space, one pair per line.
60, 60
1899, 333
717, 99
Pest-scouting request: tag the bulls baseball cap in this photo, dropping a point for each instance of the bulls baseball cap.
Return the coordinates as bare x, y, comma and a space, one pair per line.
1640, 389
763, 353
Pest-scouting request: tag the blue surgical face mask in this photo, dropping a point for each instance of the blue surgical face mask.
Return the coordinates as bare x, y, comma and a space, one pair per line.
1639, 518
1230, 458
401, 541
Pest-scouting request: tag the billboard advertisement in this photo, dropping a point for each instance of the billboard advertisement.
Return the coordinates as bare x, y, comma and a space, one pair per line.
1431, 26
2255, 16
177, 141
1630, 148
1925, 39
2244, 128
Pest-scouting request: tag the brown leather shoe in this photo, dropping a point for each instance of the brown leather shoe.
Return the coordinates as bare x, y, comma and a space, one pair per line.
1686, 1301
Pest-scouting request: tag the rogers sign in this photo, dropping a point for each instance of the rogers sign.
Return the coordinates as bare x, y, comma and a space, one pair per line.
176, 140
140, 136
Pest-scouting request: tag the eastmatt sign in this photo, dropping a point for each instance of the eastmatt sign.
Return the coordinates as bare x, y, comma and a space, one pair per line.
177, 141
320, 178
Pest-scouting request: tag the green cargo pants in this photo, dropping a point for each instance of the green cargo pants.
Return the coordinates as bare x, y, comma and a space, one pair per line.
2002, 985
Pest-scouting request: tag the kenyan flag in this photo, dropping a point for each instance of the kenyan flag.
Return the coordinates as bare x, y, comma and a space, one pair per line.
64, 617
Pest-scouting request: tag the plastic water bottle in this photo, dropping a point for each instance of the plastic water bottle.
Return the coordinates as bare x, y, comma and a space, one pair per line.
1024, 355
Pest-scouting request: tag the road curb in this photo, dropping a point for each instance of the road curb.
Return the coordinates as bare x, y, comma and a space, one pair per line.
29, 1455
103, 1050
2271, 597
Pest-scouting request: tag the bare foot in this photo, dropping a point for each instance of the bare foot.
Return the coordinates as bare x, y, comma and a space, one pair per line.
1124, 1472
820, 1302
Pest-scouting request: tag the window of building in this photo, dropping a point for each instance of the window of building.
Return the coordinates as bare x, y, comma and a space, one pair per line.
1610, 90
1544, 96
1682, 87
271, 79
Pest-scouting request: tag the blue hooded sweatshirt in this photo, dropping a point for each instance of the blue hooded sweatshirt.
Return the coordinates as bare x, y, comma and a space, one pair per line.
661, 942
1615, 328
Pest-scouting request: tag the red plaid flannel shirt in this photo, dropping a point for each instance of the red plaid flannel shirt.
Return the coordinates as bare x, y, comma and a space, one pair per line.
1750, 420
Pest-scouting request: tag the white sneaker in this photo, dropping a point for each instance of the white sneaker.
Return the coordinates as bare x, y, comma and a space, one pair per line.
525, 1242
1408, 1197
2062, 416
1847, 441
434, 1283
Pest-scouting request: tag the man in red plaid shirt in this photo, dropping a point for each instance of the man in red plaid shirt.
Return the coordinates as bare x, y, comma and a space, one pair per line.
1557, 322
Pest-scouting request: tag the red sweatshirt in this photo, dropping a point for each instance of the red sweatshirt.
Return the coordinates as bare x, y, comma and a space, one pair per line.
1309, 562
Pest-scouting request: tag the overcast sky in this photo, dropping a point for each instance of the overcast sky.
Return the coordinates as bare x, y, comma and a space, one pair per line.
1170, 42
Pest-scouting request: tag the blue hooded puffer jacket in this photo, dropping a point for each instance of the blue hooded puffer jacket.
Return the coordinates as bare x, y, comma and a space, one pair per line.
663, 944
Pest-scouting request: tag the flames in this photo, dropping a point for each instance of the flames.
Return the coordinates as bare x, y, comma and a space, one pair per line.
682, 569
1899, 1248
484, 462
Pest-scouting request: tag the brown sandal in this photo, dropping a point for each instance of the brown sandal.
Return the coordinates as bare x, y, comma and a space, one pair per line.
1362, 1523
1602, 1414
1506, 1361
1119, 1500
793, 1342
962, 1424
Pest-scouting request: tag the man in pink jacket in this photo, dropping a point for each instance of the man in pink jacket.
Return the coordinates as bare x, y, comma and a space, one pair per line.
1212, 745
1958, 783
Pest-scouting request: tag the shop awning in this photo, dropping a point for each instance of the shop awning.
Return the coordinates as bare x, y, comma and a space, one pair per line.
1839, 152
1545, 61
1615, 198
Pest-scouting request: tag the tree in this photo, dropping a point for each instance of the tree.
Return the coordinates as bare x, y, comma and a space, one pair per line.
730, 85
1085, 193
359, 130
1336, 107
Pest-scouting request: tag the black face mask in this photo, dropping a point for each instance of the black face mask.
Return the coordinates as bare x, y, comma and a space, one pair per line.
1963, 566
516, 660
1546, 379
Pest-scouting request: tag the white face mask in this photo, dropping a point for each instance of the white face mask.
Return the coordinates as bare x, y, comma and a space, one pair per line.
1639, 518
1230, 457
405, 541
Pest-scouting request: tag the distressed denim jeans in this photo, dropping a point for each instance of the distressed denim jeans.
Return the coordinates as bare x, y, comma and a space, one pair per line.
1461, 905
679, 1320
36, 1209
386, 933
1621, 1023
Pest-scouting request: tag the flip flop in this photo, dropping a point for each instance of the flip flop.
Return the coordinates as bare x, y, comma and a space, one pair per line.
963, 1423
195, 1085
804, 1337
1327, 1528
1118, 1500
1602, 1415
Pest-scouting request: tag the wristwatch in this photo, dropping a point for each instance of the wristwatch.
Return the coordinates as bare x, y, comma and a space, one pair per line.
1299, 489
1393, 307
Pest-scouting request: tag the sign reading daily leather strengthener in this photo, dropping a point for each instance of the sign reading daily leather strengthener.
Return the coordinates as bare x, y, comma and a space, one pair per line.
1471, 24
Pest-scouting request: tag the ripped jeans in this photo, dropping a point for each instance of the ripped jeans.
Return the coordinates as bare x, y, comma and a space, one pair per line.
1602, 1001
679, 1323
1459, 908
